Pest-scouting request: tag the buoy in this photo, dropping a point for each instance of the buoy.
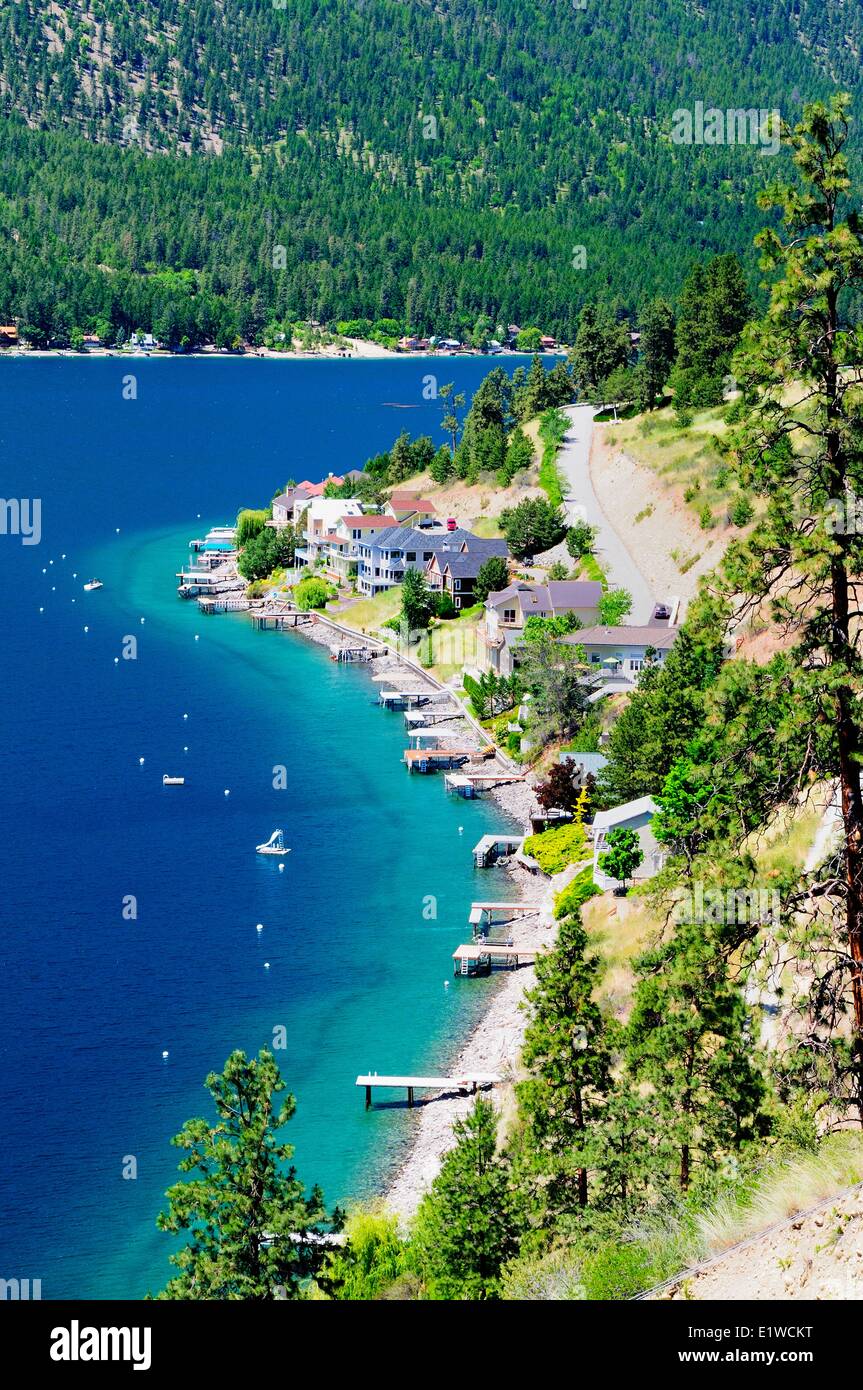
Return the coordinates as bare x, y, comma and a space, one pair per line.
165, 1054
266, 965
197, 638
143, 620
74, 574
259, 927
141, 761
50, 562
53, 588
185, 747
63, 556
281, 868
116, 661
227, 791
86, 629
44, 571
185, 716
117, 530
461, 830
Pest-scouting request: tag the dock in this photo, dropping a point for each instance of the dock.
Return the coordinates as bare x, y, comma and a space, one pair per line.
473, 784
468, 1082
362, 653
493, 847
404, 699
481, 957
484, 914
223, 603
433, 759
280, 622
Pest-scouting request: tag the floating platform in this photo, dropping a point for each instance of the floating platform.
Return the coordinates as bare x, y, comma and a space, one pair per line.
493, 847
468, 1082
481, 957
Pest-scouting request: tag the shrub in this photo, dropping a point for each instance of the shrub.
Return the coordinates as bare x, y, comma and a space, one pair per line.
557, 848
313, 593
741, 512
616, 1271
575, 894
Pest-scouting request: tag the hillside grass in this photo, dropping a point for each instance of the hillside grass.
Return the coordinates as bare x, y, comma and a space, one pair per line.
685, 457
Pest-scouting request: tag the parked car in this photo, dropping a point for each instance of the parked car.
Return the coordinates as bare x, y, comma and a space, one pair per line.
451, 523
661, 613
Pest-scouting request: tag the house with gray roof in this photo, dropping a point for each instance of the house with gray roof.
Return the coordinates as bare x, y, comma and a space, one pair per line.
618, 655
507, 610
453, 569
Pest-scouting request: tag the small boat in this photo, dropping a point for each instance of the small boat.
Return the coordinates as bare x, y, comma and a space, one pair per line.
173, 781
275, 844
93, 584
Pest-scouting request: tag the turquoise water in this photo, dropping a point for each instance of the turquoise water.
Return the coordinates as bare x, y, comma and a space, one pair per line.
90, 1000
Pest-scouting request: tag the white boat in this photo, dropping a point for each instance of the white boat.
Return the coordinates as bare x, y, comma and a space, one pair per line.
173, 781
94, 584
275, 844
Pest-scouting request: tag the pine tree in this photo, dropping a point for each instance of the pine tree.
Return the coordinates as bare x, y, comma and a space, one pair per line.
246, 1213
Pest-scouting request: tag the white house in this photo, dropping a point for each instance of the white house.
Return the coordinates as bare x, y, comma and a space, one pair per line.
632, 815
322, 516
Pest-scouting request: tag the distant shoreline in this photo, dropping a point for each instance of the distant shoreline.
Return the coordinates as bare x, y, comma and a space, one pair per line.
383, 355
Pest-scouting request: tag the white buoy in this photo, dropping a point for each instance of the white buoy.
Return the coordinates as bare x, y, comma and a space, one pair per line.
86, 629
116, 661
185, 716
141, 761
227, 791
281, 868
446, 984
74, 574
259, 927
143, 620
461, 830
50, 562
53, 588
165, 1054
117, 530
63, 556
44, 571
197, 638
185, 747
266, 965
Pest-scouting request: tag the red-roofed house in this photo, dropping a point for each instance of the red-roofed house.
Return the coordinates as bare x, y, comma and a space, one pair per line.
410, 509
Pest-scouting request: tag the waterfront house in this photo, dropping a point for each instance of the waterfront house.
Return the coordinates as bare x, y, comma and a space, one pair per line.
321, 516
619, 654
583, 765
632, 815
547, 343
288, 505
384, 558
8, 335
507, 610
453, 569
339, 550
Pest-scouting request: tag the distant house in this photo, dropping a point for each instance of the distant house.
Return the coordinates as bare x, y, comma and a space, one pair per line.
632, 815
143, 340
453, 570
546, 342
288, 505
8, 335
322, 516
507, 610
410, 509
621, 653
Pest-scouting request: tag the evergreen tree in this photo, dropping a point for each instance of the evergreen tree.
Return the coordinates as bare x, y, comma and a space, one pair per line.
246, 1214
714, 306
655, 351
469, 1223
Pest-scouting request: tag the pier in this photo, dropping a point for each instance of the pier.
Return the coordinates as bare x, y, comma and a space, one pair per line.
493, 847
470, 1082
487, 913
473, 784
352, 654
403, 699
481, 957
433, 759
270, 620
223, 603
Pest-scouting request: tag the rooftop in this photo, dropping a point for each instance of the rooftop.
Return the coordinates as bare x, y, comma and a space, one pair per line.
653, 635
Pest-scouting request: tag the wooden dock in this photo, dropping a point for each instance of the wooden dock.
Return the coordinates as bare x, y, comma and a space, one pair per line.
481, 957
468, 1082
361, 653
280, 621
473, 784
502, 910
404, 699
433, 759
224, 603
493, 847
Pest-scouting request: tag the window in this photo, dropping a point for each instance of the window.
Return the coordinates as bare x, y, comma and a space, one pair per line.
635, 664
458, 601
594, 658
509, 615
457, 585
428, 555
411, 555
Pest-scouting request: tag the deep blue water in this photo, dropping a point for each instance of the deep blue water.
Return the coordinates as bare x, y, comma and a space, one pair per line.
90, 1000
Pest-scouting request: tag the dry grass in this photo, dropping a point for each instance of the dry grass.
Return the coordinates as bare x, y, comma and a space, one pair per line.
619, 928
791, 1186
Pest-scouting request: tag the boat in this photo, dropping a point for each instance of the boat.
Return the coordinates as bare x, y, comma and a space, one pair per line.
275, 844
173, 781
94, 584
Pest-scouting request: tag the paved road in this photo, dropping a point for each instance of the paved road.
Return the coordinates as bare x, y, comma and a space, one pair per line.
582, 504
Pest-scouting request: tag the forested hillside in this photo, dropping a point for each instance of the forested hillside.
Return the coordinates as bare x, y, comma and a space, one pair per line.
427, 161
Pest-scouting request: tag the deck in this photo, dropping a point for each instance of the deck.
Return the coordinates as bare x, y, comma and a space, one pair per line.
432, 759
464, 1082
493, 847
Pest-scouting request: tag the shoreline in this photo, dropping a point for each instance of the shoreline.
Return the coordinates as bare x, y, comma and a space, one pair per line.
495, 1041
261, 355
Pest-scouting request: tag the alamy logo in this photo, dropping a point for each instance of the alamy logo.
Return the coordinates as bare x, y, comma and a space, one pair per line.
21, 517
77, 1343
736, 126
20, 1290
